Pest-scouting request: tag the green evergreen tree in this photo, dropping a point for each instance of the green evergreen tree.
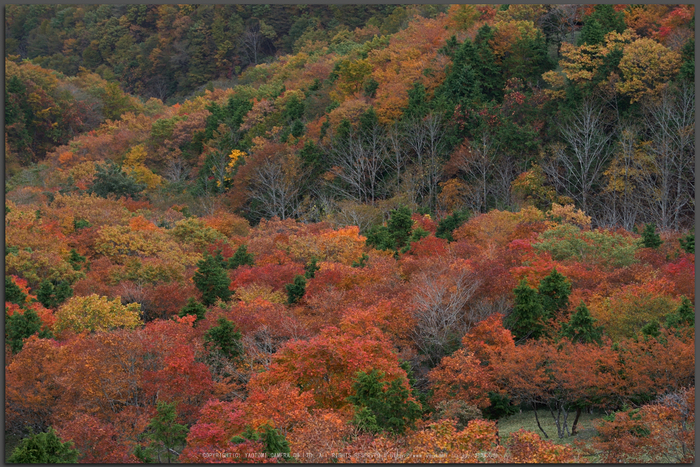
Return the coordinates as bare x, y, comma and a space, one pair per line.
193, 307
651, 239
688, 243
651, 329
526, 319
581, 327
212, 280
554, 291
448, 224
609, 19
488, 74
592, 33
51, 296
297, 128
381, 406
311, 268
241, 258
683, 316
378, 237
687, 71
418, 106
224, 339
400, 225
44, 448
501, 406
370, 86
416, 235
13, 293
20, 326
164, 434
76, 259
111, 179
274, 442
296, 289
362, 262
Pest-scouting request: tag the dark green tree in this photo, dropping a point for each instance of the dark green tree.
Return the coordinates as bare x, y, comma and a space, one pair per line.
241, 258
379, 237
418, 106
297, 128
111, 179
554, 291
687, 71
448, 224
416, 235
381, 406
44, 448
19, 326
361, 262
683, 316
51, 296
581, 327
212, 280
592, 33
274, 442
76, 259
311, 268
224, 339
688, 243
651, 239
165, 434
193, 307
651, 329
501, 406
526, 321
296, 289
400, 225
370, 86
13, 293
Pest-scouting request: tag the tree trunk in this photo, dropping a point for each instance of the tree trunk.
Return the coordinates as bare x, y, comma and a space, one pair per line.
534, 407
575, 424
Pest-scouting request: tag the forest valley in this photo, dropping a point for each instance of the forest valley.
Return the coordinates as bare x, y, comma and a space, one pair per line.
349, 233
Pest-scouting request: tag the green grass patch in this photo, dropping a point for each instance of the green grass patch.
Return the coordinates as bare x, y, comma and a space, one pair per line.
526, 420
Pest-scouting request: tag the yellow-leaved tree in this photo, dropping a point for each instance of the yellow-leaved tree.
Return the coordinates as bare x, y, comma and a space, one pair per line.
95, 313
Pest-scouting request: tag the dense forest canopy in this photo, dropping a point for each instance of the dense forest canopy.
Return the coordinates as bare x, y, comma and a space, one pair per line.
342, 229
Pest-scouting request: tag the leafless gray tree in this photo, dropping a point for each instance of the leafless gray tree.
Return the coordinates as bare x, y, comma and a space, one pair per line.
670, 184
578, 167
277, 188
438, 306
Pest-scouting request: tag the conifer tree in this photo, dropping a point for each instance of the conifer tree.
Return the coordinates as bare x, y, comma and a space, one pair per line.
381, 406
581, 327
224, 339
241, 258
212, 280
651, 239
311, 268
19, 326
526, 319
296, 289
554, 293
44, 448
193, 307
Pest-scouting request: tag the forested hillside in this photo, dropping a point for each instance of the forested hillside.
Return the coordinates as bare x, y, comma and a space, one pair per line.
327, 231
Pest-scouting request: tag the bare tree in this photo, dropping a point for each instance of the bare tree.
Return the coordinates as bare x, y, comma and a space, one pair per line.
669, 185
425, 138
438, 306
577, 168
359, 162
277, 188
477, 160
622, 206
